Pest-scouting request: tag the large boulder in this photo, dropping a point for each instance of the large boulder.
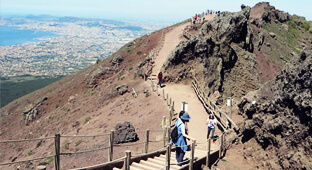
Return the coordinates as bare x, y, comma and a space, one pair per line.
125, 133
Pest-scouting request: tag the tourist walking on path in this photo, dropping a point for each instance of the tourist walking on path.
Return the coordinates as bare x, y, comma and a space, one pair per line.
160, 78
186, 128
180, 144
211, 122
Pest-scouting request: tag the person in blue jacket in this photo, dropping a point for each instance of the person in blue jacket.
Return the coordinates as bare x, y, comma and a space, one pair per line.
180, 144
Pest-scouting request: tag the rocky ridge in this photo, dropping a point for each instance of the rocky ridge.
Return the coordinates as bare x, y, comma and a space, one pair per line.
282, 123
219, 54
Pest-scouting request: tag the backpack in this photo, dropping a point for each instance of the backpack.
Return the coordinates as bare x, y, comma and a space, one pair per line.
174, 134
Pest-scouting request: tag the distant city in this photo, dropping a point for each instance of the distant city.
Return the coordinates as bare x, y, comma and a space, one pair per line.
75, 43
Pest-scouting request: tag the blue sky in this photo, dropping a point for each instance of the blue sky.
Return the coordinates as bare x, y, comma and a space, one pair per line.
145, 10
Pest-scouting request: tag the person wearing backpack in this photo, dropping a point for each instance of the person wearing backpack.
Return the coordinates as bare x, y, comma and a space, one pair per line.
180, 143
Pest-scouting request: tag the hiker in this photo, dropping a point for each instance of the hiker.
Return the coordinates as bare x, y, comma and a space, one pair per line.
211, 122
181, 124
160, 78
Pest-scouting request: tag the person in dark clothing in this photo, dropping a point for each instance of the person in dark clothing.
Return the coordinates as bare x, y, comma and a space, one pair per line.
160, 79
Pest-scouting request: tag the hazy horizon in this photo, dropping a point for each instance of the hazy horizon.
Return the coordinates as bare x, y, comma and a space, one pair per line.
138, 10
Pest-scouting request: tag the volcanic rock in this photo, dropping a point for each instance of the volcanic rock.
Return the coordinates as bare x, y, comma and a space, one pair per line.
125, 133
283, 125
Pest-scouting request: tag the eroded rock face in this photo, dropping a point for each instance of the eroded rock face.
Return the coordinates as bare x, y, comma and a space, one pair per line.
283, 125
125, 133
31, 114
212, 53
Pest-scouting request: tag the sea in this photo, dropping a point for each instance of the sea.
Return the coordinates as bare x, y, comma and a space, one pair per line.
12, 35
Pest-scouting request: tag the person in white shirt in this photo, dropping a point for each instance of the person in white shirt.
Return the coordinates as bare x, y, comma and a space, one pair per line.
211, 122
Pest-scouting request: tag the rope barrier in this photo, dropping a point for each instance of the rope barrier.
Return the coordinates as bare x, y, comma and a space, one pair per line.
23, 140
9, 163
91, 150
105, 134
129, 144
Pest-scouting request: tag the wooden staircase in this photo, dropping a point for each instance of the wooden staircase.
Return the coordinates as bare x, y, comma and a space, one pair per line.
159, 162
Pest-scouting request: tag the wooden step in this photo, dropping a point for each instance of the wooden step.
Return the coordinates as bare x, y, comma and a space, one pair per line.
160, 159
151, 164
140, 166
116, 168
135, 168
159, 163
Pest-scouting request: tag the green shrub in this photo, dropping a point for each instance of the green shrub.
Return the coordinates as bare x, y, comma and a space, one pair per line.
147, 94
29, 153
130, 68
292, 24
306, 26
87, 120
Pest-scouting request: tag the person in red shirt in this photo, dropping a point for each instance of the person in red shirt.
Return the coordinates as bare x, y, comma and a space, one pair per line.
160, 78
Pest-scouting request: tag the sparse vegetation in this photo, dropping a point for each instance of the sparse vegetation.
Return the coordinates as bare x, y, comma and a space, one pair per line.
306, 26
66, 146
56, 106
30, 153
147, 94
48, 161
87, 120
58, 118
78, 143
130, 68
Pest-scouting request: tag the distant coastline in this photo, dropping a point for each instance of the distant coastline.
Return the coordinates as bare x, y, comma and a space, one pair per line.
13, 35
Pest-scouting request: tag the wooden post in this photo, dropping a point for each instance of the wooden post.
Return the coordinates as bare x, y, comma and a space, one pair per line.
111, 144
164, 94
170, 117
169, 102
164, 135
168, 134
57, 151
172, 108
146, 140
192, 156
127, 160
163, 123
167, 97
221, 146
168, 157
152, 85
208, 152
157, 90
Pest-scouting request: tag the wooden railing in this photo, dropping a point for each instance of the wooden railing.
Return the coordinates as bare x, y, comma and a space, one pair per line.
224, 120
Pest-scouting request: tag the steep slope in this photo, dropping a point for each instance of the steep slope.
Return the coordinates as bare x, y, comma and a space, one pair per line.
88, 102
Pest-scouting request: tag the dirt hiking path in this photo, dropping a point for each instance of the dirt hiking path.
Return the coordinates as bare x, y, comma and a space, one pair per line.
184, 92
